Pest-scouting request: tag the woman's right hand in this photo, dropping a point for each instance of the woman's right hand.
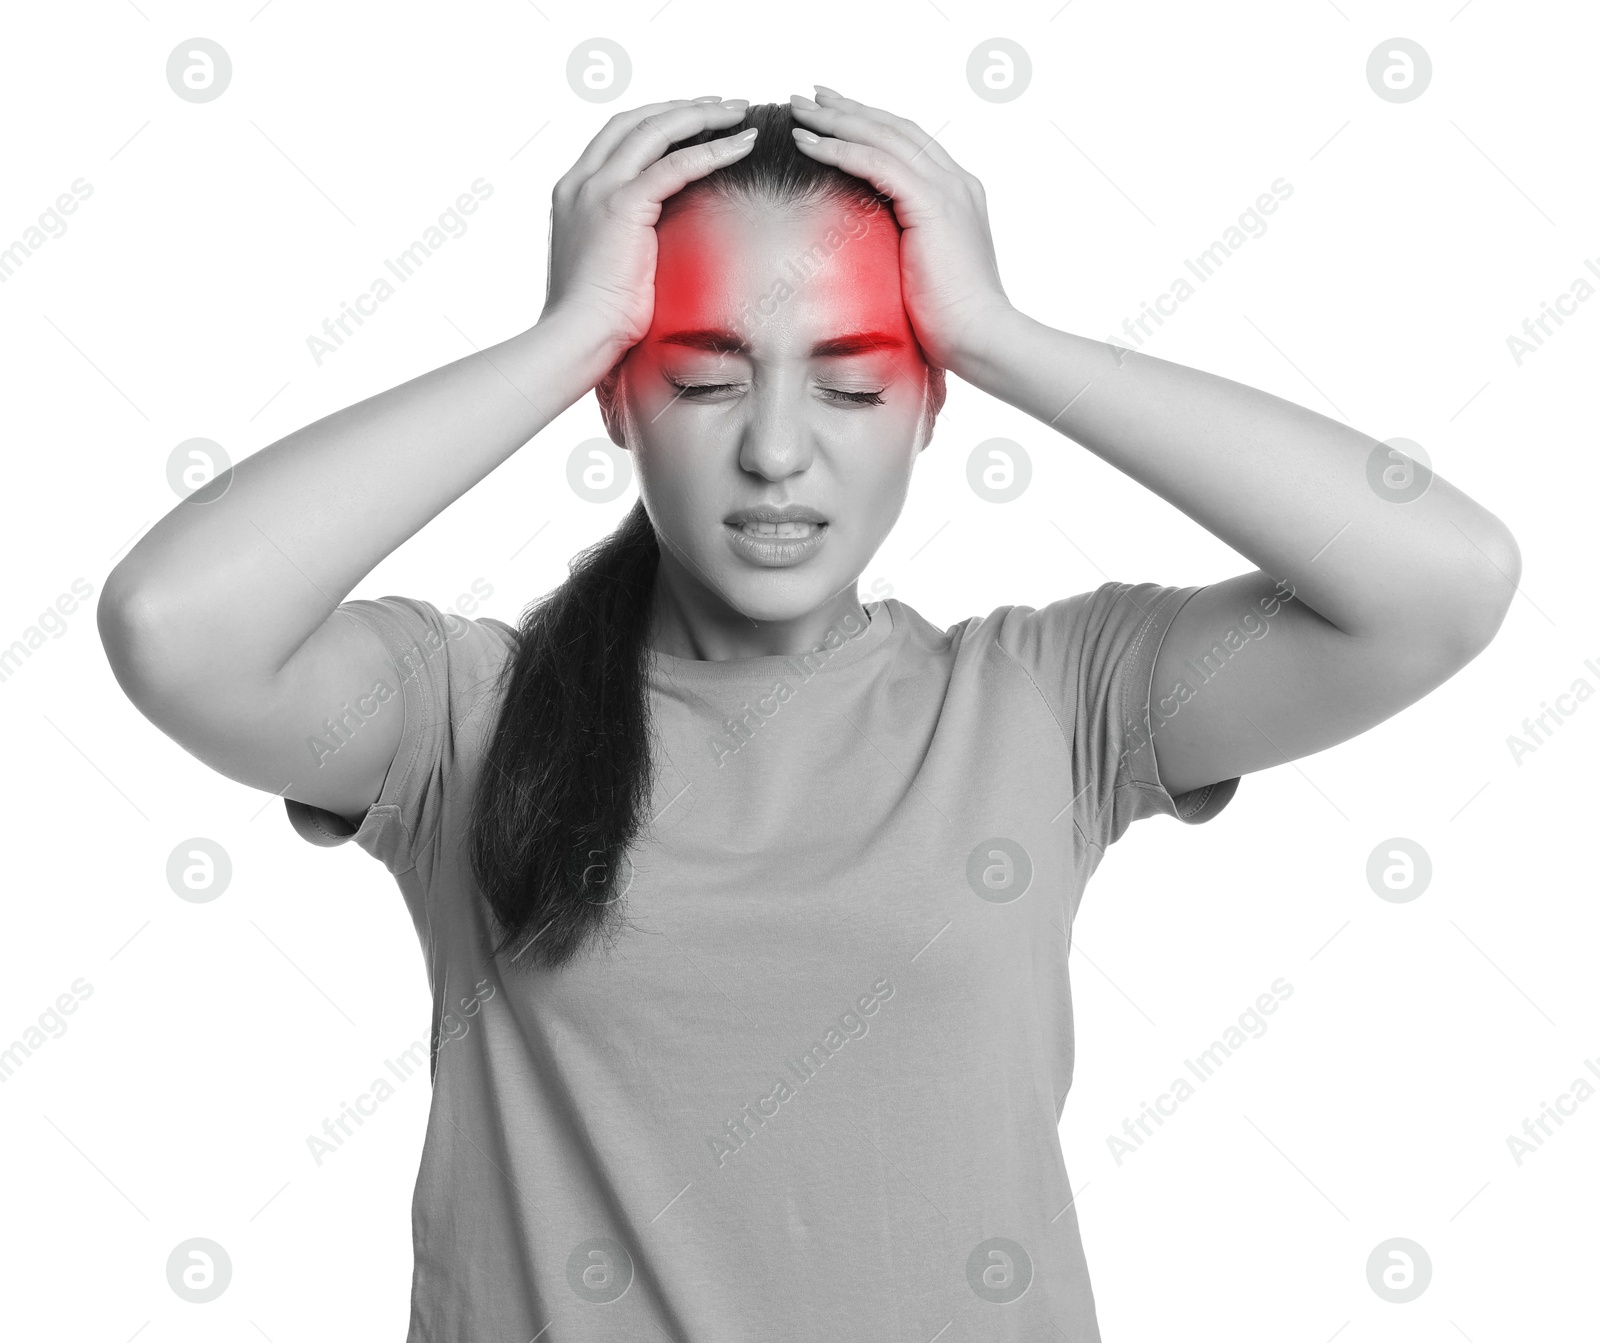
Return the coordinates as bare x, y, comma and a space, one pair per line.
604, 210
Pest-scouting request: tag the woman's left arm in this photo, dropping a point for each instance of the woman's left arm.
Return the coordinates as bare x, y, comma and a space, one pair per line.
1389, 599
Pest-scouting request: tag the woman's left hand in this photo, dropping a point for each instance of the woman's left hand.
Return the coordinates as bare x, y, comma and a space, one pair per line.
949, 280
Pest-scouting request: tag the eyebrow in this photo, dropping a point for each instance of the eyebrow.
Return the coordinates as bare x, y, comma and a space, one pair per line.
718, 341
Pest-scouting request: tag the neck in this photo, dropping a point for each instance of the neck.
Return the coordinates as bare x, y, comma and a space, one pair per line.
689, 621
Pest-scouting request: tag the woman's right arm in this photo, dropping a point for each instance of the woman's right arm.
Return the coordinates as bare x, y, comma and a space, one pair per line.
219, 623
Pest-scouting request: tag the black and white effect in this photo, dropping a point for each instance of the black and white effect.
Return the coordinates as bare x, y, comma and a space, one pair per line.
744, 555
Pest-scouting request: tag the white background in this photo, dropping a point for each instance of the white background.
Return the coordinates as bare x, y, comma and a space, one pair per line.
1419, 1035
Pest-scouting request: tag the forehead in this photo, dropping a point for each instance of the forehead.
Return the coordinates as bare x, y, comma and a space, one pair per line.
805, 271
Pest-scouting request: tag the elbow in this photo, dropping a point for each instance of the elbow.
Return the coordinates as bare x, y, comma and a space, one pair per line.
1488, 598
127, 619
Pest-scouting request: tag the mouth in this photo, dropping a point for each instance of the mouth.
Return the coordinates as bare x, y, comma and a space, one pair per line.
776, 538
768, 515
782, 530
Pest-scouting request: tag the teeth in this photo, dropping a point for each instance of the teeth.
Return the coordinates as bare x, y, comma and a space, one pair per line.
789, 529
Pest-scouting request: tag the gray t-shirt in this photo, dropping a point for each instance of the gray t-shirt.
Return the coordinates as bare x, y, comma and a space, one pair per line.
813, 1091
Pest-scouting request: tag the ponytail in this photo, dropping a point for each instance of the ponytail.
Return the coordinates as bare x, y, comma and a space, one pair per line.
567, 774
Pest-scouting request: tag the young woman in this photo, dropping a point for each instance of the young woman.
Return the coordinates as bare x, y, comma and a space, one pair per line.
747, 907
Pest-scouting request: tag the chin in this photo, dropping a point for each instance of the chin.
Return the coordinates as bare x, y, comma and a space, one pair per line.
778, 595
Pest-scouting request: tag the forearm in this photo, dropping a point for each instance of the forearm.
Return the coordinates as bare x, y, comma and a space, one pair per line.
1284, 486
301, 522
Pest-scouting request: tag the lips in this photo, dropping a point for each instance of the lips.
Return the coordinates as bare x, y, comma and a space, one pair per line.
776, 538
766, 513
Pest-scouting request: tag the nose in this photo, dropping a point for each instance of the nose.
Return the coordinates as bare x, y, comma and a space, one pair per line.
777, 439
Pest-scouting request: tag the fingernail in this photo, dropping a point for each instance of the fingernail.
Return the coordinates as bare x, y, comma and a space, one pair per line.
801, 133
806, 104
710, 98
736, 104
823, 88
744, 137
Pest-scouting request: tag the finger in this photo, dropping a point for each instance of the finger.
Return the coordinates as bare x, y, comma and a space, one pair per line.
657, 133
598, 150
927, 146
670, 174
842, 125
884, 170
924, 145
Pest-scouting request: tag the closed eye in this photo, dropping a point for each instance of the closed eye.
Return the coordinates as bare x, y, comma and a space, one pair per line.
703, 391
699, 389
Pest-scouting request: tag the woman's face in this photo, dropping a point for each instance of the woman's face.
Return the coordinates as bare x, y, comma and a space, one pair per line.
779, 369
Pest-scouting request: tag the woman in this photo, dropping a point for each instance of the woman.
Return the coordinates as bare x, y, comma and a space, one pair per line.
747, 907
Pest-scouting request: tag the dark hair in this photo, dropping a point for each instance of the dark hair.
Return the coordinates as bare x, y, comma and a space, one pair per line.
568, 771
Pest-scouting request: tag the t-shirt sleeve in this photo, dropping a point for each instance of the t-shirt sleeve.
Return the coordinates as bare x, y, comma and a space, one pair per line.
446, 666
1093, 657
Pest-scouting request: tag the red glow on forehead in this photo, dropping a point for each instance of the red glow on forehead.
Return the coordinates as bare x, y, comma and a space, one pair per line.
719, 340
725, 274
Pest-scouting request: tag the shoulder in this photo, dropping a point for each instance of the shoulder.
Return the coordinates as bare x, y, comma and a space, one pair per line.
1089, 650
1019, 632
448, 672
1116, 615
443, 658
